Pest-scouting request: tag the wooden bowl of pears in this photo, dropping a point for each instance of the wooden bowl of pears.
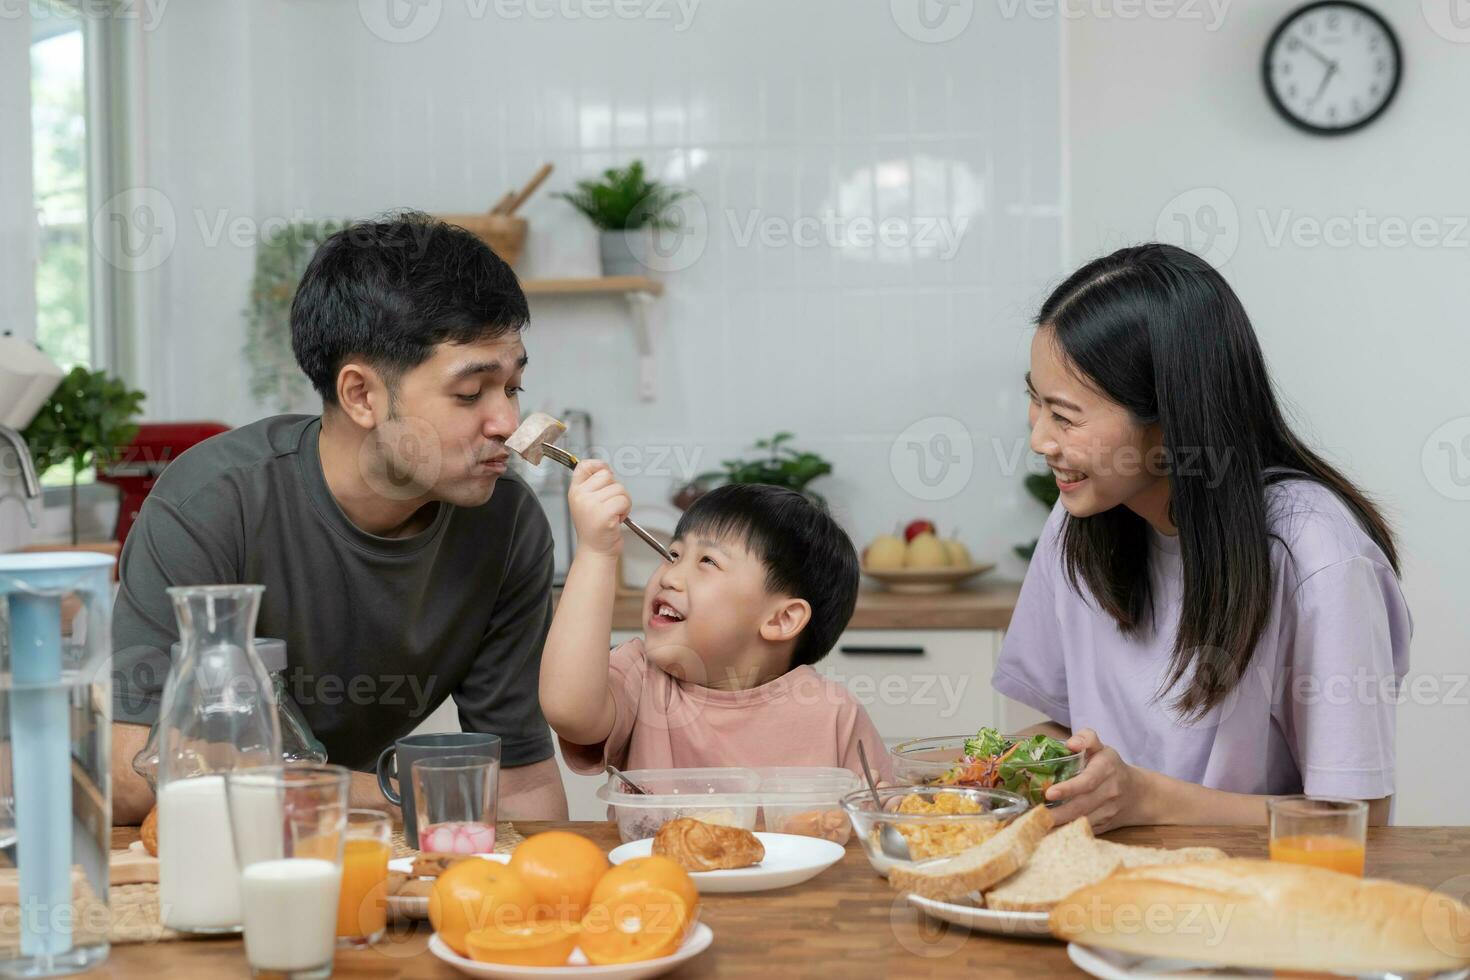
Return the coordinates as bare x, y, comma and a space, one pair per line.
919, 562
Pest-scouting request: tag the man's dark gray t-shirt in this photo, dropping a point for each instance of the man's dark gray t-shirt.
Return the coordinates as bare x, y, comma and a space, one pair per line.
379, 631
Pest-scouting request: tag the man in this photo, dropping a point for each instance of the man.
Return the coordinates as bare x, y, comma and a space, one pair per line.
401, 564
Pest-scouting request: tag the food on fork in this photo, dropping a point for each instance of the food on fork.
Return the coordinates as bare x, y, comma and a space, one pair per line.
535, 431
698, 846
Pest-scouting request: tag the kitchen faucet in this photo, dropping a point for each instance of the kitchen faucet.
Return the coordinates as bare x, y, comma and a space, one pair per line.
29, 483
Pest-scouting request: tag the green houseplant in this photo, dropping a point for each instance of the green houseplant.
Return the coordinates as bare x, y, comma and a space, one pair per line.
87, 420
623, 202
280, 261
1042, 487
778, 465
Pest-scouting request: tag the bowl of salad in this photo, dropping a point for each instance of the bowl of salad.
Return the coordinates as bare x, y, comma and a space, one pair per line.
1023, 764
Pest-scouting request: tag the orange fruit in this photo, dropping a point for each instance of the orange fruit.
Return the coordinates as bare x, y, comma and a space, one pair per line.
562, 868
544, 943
475, 894
657, 871
642, 923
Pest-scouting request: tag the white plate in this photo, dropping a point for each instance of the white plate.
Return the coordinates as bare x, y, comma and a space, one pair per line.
416, 907
790, 859
985, 920
1112, 965
696, 942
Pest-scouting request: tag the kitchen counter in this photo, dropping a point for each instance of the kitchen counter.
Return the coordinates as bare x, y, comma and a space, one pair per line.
844, 923
986, 607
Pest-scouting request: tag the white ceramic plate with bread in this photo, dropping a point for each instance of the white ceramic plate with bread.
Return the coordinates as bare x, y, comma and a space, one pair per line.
1232, 917
789, 860
1111, 965
1009, 884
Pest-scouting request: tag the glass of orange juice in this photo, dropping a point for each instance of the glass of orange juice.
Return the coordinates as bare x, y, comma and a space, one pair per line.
362, 904
1326, 833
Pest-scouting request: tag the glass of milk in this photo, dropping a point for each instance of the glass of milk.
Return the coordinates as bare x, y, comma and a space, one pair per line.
289, 823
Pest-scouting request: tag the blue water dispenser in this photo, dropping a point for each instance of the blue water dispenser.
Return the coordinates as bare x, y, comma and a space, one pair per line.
55, 721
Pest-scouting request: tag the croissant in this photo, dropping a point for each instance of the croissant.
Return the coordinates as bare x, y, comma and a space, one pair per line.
148, 832
699, 846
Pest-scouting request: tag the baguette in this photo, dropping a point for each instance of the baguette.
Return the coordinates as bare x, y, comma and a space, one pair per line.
1138, 856
1065, 860
978, 867
1268, 915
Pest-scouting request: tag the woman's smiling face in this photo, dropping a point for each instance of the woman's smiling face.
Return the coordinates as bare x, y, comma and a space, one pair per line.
1100, 454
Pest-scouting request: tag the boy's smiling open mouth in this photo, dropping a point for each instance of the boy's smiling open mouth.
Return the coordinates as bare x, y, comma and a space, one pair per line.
662, 614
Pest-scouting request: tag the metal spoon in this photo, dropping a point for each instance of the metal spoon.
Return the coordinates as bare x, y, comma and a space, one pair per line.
890, 841
633, 787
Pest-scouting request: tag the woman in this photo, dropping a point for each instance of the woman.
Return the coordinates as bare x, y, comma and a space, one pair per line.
1213, 612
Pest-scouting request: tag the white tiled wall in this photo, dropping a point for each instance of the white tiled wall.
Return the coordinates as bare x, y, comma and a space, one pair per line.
773, 113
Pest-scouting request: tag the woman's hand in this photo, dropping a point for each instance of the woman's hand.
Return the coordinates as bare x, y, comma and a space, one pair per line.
1108, 792
599, 504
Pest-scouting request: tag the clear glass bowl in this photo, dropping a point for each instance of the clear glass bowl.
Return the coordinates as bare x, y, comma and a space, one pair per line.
929, 836
925, 761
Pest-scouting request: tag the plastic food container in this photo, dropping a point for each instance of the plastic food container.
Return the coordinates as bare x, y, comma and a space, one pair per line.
929, 836
729, 797
807, 800
925, 761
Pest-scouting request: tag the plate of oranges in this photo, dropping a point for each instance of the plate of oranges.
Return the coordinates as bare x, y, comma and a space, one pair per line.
558, 908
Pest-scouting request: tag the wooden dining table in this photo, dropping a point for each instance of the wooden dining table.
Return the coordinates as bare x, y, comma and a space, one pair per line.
844, 923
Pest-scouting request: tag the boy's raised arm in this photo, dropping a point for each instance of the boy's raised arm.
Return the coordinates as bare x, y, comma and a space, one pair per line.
575, 696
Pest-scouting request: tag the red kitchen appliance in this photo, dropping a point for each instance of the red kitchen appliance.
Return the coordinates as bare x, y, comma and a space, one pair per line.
140, 463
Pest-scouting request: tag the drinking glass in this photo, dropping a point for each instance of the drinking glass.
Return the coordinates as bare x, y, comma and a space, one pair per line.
362, 910
288, 823
1325, 833
455, 796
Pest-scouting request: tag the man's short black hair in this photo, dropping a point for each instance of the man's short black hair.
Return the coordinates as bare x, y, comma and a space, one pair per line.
390, 289
806, 553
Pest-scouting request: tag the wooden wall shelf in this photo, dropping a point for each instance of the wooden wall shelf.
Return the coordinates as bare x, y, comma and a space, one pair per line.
638, 291
602, 285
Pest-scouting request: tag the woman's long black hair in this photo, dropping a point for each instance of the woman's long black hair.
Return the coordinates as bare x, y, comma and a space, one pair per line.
1157, 330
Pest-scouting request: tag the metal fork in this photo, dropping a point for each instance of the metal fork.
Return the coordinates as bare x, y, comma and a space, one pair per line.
570, 462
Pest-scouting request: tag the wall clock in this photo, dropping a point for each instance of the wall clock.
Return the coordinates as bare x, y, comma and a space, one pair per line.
1332, 67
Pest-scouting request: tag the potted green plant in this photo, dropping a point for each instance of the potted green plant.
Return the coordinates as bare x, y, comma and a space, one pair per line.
1042, 487
87, 420
778, 465
625, 206
280, 262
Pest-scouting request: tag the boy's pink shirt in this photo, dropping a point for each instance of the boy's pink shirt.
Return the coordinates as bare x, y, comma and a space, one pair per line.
799, 719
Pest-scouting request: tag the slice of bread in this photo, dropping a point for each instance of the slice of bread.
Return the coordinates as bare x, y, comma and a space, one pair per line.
1137, 856
1065, 860
979, 867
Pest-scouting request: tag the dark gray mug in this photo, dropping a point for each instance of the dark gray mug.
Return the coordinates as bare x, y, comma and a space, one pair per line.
396, 762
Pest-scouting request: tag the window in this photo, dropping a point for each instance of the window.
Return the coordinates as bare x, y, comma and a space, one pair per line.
59, 158
64, 321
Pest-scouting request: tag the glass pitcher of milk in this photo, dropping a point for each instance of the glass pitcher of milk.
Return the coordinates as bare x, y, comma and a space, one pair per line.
218, 714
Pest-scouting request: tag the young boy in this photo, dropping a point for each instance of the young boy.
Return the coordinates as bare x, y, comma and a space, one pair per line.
762, 585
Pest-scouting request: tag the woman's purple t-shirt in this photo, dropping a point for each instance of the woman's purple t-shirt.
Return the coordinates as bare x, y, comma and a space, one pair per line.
1315, 710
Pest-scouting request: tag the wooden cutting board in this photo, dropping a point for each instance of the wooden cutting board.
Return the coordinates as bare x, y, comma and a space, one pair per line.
134, 866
